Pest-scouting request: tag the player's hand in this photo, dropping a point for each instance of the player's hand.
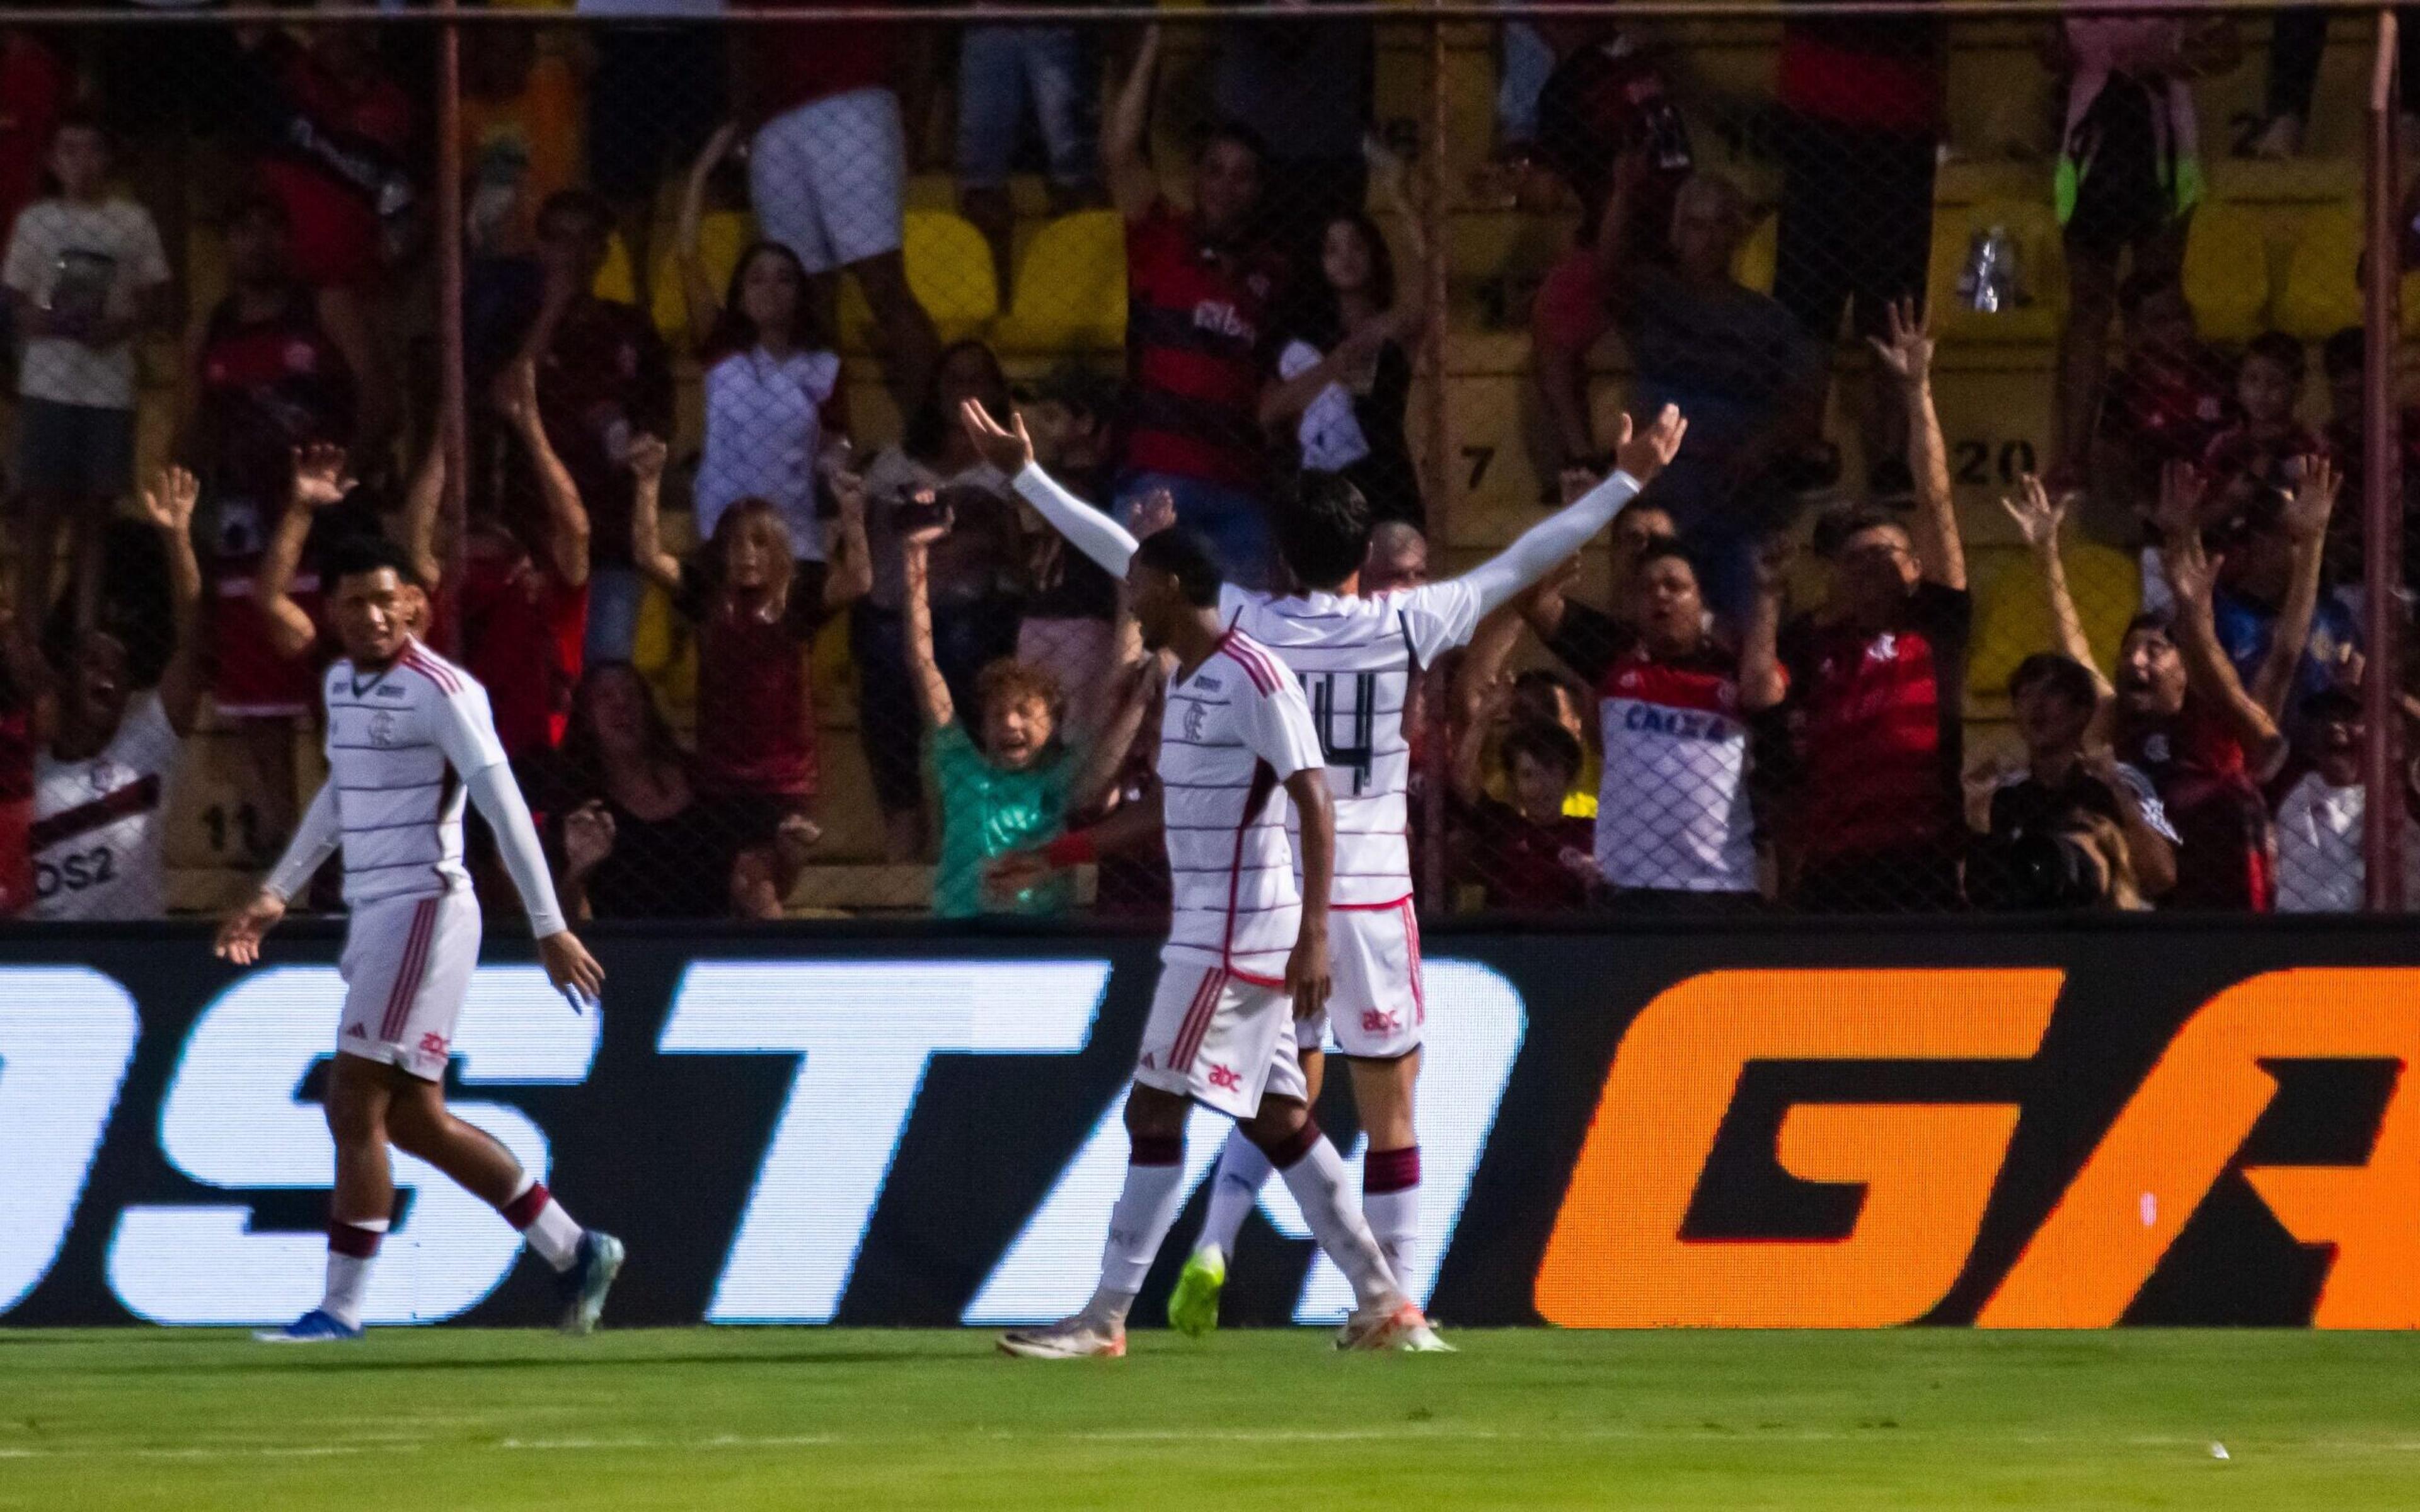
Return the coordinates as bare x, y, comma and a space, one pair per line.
239, 941
1306, 974
1642, 454
322, 475
646, 460
1010, 451
570, 967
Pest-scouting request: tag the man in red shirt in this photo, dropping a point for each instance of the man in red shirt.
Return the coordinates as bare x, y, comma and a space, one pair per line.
1878, 687
828, 169
1199, 338
331, 131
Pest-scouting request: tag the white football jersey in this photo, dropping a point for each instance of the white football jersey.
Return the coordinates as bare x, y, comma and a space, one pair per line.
96, 836
1231, 734
398, 744
1356, 658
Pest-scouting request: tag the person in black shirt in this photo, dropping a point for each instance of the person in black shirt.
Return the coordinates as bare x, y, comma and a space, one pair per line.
2057, 702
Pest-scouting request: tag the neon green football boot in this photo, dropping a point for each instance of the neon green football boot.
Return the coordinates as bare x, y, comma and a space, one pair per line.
1193, 1307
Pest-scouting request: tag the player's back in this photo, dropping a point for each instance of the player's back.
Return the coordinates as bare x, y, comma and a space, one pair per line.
398, 798
1356, 658
1234, 901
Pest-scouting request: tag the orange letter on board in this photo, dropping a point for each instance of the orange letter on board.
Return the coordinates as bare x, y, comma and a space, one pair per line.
1616, 1258
2185, 1123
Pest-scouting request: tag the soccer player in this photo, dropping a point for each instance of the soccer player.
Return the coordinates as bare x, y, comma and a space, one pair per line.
1247, 955
409, 736
1355, 658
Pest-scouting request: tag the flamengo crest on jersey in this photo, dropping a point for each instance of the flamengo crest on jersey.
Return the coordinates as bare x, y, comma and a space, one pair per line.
1356, 658
399, 745
1232, 732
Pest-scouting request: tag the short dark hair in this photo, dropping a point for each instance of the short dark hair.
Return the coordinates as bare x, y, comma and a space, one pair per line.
1239, 134
1836, 529
1548, 744
358, 556
1324, 530
2347, 351
585, 202
1186, 556
2278, 347
2151, 619
1667, 548
84, 118
2061, 674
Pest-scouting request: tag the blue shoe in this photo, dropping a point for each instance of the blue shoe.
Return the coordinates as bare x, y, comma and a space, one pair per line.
594, 1266
317, 1326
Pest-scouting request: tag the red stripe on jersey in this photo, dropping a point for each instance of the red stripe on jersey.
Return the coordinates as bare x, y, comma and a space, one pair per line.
1673, 688
421, 662
1257, 672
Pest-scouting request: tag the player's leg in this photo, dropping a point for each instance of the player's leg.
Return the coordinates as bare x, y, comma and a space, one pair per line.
1381, 1012
1234, 1190
356, 1105
1315, 1174
1181, 1042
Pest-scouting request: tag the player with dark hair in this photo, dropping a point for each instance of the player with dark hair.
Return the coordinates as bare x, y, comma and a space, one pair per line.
409, 738
1356, 658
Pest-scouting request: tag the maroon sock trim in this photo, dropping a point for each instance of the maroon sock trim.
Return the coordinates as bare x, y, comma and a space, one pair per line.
522, 1211
1155, 1149
1294, 1146
346, 1238
1390, 1170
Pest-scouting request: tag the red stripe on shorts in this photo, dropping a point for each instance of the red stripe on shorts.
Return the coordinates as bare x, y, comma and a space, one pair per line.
409, 971
1197, 1021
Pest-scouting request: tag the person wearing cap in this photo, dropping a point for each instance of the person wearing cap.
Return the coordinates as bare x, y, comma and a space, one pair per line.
1071, 615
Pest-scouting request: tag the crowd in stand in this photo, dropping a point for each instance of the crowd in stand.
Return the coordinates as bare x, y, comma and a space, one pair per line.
1768, 710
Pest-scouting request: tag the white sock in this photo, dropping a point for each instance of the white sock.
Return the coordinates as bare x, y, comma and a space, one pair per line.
1390, 1199
1234, 1190
1139, 1223
549, 1230
349, 1269
1316, 1178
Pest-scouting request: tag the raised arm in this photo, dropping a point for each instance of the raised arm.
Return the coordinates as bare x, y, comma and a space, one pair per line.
1639, 455
1469, 771
424, 500
2307, 526
648, 551
1088, 530
168, 505
1616, 237
323, 477
1108, 752
932, 689
1134, 189
378, 404
566, 517
851, 574
2192, 578
1762, 681
2039, 518
1907, 356
701, 301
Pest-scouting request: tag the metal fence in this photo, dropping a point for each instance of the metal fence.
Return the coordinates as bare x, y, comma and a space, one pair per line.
2035, 543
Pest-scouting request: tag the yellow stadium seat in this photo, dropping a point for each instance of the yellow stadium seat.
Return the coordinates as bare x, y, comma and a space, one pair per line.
618, 280
1070, 289
2042, 271
721, 237
663, 651
949, 271
2226, 272
1753, 266
2321, 293
2012, 617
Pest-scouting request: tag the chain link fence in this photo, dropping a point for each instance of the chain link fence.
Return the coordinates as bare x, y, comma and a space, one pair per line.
2014, 557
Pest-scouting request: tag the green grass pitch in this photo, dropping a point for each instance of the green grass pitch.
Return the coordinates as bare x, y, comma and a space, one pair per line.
453, 1418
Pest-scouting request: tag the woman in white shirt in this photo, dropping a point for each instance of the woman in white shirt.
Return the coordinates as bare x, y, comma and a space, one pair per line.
774, 405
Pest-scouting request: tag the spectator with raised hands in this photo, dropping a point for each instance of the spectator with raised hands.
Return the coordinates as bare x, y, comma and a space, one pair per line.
758, 611
2271, 577
1016, 789
102, 774
2064, 707
1878, 685
2185, 719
